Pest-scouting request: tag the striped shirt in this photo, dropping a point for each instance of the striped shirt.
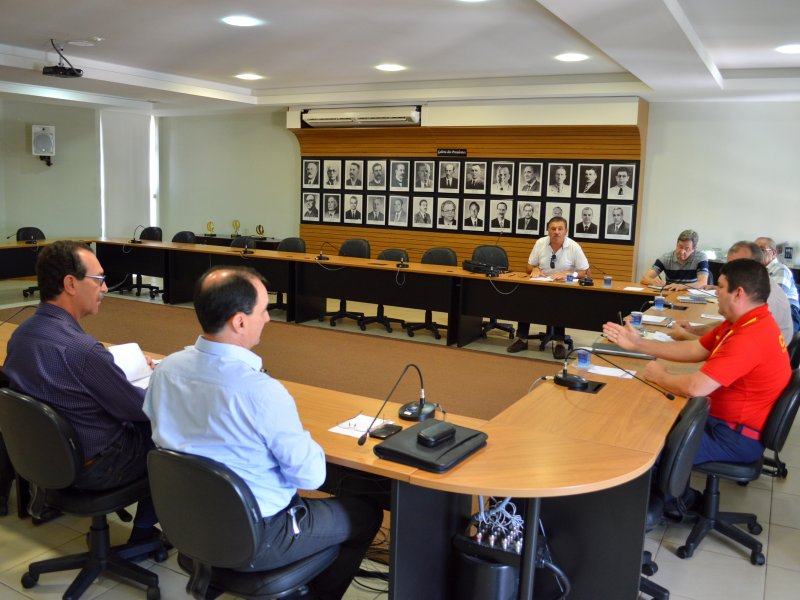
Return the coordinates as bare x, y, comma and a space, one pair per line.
782, 275
677, 272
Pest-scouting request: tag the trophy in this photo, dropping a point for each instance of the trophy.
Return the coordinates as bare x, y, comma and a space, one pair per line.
260, 232
210, 229
236, 224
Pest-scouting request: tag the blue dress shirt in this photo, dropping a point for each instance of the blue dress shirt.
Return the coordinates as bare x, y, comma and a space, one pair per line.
212, 399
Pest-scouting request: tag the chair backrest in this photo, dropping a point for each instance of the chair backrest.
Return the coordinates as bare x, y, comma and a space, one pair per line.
205, 509
440, 256
29, 233
42, 444
396, 254
153, 234
187, 237
491, 255
356, 247
794, 350
292, 244
243, 241
782, 415
680, 449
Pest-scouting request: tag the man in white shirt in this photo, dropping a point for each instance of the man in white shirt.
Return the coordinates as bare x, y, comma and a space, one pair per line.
782, 275
214, 399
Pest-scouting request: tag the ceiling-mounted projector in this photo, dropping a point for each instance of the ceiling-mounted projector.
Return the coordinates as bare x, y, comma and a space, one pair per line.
61, 70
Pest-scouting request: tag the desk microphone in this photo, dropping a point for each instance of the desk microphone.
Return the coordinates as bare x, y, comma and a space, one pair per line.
133, 240
667, 395
568, 380
422, 409
321, 256
246, 249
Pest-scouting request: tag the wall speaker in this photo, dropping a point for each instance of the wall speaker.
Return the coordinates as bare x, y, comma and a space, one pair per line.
43, 140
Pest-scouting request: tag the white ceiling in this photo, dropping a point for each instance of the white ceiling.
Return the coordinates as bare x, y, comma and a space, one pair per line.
176, 55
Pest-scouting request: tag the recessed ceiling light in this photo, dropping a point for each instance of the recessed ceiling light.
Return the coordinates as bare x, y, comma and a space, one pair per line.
92, 41
390, 67
788, 49
571, 57
249, 76
472, 0
242, 21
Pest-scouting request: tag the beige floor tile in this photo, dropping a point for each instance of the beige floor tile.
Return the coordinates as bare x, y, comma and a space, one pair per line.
782, 584
786, 509
791, 453
22, 541
784, 548
7, 593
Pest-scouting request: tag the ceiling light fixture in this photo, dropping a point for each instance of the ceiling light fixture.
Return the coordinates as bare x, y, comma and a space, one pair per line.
390, 67
242, 21
788, 49
472, 1
249, 76
571, 57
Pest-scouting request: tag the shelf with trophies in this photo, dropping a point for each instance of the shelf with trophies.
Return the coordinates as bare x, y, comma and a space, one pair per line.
261, 241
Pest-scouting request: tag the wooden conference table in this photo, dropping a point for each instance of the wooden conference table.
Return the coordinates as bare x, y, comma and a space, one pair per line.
18, 259
466, 297
582, 459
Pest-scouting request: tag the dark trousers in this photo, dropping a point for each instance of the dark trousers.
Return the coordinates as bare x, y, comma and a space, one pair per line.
524, 330
722, 443
123, 461
6, 471
348, 521
795, 317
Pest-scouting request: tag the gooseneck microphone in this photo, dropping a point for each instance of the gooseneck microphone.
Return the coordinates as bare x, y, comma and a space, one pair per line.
568, 380
418, 407
321, 256
667, 395
246, 249
133, 240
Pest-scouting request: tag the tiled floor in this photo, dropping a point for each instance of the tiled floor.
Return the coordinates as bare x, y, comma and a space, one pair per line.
718, 570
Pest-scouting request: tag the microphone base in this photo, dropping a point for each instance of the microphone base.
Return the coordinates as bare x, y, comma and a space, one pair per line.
135, 242
411, 411
402, 265
30, 242
571, 382
246, 251
322, 257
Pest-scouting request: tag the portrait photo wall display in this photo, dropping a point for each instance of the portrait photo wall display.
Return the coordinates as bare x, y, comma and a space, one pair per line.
484, 196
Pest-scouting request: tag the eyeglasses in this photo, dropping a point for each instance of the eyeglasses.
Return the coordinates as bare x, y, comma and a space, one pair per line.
553, 261
100, 279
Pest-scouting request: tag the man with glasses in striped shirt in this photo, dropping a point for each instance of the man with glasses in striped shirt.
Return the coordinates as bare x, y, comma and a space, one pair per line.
554, 256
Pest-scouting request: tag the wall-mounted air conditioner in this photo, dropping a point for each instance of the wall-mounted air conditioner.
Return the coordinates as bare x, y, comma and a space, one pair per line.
382, 116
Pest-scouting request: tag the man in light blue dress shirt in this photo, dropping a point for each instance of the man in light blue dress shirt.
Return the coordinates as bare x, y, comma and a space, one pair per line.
213, 399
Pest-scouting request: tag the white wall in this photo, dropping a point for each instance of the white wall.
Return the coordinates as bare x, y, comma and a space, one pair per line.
727, 170
243, 166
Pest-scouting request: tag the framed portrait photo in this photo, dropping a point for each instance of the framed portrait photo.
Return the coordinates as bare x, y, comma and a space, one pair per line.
449, 177
447, 213
587, 221
398, 211
332, 177
559, 180
310, 173
331, 208
376, 210
422, 212
618, 221
474, 214
528, 220
475, 178
502, 178
590, 181
353, 208
556, 209
309, 211
399, 178
423, 175
529, 182
376, 175
621, 182
500, 215
354, 173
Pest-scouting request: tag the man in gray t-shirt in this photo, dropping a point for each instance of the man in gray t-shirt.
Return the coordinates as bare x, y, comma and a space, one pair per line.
684, 267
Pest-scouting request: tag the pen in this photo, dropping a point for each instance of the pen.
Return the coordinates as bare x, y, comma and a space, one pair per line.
621, 322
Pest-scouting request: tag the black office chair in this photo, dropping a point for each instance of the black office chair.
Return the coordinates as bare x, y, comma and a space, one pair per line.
433, 256
497, 257
44, 450
152, 234
358, 248
672, 477
31, 235
184, 237
773, 465
244, 241
394, 255
211, 516
794, 351
776, 429
289, 244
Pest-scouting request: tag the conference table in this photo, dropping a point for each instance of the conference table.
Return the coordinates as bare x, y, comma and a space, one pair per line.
582, 461
18, 259
308, 282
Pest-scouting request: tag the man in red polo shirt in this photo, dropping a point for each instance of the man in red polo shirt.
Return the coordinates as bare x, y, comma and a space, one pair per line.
746, 364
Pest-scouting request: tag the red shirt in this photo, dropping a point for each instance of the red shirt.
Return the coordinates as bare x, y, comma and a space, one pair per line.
750, 362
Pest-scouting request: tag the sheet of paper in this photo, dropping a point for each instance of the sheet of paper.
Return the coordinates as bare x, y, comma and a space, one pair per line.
658, 336
633, 288
654, 320
611, 372
541, 278
713, 317
131, 359
706, 293
357, 426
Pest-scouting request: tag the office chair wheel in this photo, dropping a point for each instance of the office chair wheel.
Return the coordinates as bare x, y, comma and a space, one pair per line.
322, 318
650, 569
511, 334
25, 294
362, 325
685, 552
160, 555
152, 294
783, 472
138, 293
437, 335
388, 328
755, 528
153, 593
757, 558
29, 580
410, 333
333, 323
